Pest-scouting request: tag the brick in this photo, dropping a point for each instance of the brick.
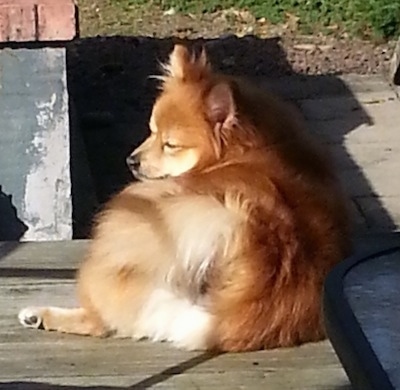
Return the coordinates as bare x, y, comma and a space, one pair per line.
56, 22
37, 20
17, 23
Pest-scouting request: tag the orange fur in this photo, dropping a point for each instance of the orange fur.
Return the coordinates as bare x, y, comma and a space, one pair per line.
227, 240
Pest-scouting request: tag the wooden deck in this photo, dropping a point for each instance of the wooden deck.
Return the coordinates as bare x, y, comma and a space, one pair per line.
42, 273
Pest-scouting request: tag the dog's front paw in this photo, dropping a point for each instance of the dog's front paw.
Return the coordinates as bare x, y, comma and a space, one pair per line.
30, 317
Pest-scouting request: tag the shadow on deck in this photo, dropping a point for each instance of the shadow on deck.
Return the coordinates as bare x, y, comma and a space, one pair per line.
112, 94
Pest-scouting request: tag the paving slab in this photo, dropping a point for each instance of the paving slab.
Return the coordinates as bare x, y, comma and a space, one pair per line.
360, 127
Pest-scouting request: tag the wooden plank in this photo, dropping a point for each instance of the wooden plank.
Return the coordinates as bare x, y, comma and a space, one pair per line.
81, 361
42, 255
41, 360
146, 358
226, 380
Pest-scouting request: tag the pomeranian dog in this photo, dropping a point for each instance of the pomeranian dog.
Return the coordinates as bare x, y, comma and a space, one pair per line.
225, 241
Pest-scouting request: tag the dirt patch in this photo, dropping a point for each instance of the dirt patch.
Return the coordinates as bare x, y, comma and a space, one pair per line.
311, 54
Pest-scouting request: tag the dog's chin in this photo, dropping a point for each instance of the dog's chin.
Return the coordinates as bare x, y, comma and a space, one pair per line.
142, 177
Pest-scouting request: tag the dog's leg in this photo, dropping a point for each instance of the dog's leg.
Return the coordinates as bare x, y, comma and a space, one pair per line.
77, 321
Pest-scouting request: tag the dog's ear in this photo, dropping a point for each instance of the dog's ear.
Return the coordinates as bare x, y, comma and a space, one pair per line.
220, 105
221, 112
179, 60
185, 66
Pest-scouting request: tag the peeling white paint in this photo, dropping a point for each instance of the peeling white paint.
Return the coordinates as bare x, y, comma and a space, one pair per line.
46, 111
47, 201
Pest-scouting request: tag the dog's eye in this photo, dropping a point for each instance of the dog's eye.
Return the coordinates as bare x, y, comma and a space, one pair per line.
170, 146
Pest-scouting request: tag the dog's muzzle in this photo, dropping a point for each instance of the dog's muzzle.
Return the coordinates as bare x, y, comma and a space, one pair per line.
133, 164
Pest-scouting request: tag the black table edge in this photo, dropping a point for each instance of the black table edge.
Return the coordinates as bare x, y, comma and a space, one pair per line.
355, 353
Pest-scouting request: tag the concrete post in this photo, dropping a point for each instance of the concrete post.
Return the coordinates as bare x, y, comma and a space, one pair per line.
35, 180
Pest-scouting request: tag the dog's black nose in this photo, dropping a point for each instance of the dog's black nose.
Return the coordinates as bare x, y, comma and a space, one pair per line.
133, 163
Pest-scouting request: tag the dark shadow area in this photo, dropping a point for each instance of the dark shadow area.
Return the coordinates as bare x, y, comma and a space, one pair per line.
11, 227
172, 371
46, 386
141, 385
38, 273
7, 247
112, 96
84, 199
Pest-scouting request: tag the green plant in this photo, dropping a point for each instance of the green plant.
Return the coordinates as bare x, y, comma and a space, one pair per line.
371, 18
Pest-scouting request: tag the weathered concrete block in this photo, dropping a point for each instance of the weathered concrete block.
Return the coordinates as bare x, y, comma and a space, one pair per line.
394, 69
34, 142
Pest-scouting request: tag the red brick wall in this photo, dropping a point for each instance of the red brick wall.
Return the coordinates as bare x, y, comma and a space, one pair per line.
37, 20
